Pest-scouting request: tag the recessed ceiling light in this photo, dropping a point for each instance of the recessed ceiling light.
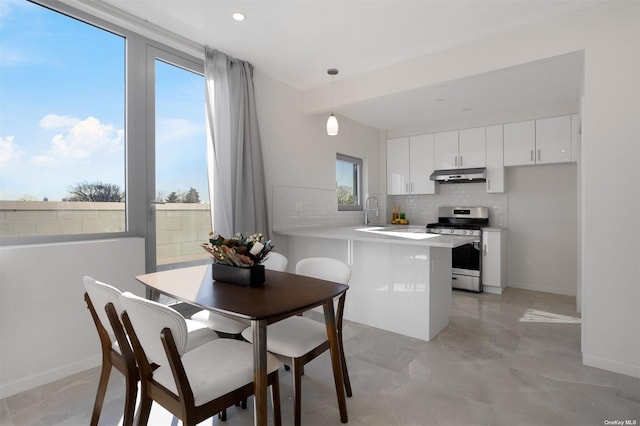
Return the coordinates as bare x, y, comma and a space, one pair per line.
439, 99
466, 109
238, 16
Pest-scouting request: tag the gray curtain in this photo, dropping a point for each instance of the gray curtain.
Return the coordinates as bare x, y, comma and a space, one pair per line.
236, 172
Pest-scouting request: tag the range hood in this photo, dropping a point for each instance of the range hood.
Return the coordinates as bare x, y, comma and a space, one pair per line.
460, 175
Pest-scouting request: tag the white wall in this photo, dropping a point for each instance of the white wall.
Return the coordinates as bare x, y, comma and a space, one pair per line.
46, 331
609, 34
297, 151
542, 236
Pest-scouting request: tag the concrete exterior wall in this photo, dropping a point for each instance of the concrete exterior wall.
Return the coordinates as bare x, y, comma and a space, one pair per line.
181, 227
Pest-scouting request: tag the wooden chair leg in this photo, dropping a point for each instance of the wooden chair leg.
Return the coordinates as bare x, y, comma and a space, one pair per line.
102, 390
275, 400
144, 409
297, 392
345, 372
130, 401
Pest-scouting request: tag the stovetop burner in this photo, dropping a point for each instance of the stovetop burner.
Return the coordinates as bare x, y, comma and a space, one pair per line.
460, 220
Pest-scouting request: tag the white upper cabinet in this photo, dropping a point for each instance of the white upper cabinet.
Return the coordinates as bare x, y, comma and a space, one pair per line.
421, 165
543, 141
460, 149
409, 165
495, 159
519, 143
553, 140
397, 166
471, 148
446, 150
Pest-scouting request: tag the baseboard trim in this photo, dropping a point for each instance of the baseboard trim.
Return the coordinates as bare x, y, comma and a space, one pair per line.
45, 377
609, 365
544, 289
492, 289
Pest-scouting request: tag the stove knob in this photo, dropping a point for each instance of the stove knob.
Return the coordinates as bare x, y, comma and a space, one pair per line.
451, 231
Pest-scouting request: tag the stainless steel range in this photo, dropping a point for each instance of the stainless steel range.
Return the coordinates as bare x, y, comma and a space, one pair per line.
466, 259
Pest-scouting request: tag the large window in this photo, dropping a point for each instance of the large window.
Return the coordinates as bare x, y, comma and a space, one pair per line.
73, 87
62, 126
183, 219
348, 182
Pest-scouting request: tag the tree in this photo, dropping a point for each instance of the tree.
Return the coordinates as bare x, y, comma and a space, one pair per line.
345, 195
173, 198
192, 196
96, 191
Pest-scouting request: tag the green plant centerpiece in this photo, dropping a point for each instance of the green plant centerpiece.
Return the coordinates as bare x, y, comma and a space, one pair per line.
238, 260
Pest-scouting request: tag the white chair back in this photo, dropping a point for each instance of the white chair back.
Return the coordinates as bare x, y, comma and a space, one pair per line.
276, 262
148, 319
101, 294
324, 268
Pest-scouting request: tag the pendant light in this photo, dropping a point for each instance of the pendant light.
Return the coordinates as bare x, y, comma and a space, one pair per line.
332, 121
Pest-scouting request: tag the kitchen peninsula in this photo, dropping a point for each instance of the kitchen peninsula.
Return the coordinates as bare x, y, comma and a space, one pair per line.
400, 276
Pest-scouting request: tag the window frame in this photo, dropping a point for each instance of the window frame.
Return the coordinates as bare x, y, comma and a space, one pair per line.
139, 38
357, 184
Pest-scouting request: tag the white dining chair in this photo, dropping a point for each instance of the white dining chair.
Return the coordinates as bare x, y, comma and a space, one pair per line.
297, 340
192, 385
234, 326
116, 350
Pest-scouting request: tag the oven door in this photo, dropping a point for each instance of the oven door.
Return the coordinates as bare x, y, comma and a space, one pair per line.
466, 269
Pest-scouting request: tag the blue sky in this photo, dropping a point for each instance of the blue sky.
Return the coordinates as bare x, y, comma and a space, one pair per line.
62, 112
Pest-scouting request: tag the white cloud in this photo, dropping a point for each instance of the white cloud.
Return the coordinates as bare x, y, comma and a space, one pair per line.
9, 152
82, 139
53, 121
176, 129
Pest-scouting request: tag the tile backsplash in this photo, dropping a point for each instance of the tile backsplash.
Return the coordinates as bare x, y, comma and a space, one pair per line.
423, 209
298, 206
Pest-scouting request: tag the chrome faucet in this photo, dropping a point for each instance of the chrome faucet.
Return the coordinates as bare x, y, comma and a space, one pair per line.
366, 209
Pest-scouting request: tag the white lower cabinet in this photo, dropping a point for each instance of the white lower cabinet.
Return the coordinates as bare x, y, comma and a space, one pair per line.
493, 260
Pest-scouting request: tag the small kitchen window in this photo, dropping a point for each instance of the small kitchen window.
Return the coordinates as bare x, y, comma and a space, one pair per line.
348, 182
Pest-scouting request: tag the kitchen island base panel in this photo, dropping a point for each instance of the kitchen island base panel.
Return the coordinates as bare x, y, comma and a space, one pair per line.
401, 288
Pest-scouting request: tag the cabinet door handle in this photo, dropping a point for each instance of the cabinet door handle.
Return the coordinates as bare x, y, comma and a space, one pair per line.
531, 156
461, 161
484, 249
406, 188
538, 154
489, 184
455, 160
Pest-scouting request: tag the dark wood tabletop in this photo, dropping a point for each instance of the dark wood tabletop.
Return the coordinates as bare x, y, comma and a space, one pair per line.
282, 295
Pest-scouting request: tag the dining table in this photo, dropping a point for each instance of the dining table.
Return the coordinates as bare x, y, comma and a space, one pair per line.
282, 295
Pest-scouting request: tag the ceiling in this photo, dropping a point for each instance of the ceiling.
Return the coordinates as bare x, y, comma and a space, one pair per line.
296, 41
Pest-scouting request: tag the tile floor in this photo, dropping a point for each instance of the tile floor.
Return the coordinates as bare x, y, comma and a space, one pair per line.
503, 360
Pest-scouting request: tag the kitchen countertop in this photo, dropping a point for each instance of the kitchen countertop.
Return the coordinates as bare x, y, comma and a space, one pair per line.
392, 234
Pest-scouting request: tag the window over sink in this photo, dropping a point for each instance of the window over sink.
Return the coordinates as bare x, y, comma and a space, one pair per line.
348, 182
